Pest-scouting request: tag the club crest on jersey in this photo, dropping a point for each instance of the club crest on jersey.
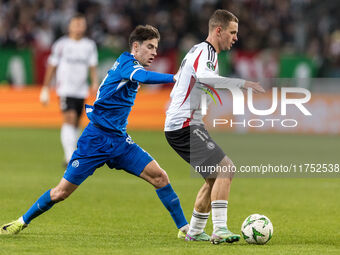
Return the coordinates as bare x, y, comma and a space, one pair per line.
75, 163
210, 65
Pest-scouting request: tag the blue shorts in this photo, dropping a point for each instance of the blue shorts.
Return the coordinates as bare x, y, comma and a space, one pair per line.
97, 147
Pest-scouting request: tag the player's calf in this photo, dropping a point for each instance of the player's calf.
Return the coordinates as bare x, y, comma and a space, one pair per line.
156, 176
58, 195
171, 202
62, 191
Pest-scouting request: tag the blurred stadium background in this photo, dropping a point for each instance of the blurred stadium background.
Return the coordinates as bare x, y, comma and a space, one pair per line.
297, 39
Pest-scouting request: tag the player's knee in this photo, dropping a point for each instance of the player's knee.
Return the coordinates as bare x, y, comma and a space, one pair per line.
161, 179
228, 171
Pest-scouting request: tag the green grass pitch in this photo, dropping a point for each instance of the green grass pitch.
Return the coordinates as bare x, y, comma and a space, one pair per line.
115, 213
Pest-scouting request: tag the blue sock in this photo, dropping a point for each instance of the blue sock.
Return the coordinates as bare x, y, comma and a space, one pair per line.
171, 201
40, 206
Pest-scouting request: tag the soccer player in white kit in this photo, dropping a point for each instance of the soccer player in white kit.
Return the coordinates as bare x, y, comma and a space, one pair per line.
185, 132
71, 59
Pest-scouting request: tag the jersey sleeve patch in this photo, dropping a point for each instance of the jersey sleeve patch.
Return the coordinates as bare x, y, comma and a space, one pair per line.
207, 65
211, 65
129, 68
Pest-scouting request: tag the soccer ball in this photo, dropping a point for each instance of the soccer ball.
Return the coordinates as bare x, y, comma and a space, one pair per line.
257, 229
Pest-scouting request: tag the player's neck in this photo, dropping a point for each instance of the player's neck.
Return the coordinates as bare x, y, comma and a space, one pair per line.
213, 42
75, 37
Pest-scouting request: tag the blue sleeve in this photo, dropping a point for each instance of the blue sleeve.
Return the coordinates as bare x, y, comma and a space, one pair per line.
128, 69
149, 77
132, 70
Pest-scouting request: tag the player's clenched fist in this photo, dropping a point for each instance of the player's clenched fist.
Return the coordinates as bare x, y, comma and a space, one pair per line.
44, 96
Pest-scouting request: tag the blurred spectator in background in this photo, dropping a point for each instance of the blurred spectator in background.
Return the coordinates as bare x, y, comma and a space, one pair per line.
285, 26
71, 58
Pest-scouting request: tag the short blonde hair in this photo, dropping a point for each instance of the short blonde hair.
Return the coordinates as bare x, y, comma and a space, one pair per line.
221, 18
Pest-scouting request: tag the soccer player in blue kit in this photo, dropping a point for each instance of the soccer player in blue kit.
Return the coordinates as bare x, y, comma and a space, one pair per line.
105, 141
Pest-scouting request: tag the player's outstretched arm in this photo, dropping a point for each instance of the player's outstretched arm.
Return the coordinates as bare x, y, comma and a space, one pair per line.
217, 81
149, 77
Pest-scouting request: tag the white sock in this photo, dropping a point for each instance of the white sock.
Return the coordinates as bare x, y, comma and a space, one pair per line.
198, 222
185, 228
219, 213
21, 219
68, 140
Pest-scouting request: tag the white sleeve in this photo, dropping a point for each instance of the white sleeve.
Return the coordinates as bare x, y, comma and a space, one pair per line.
55, 56
93, 58
217, 81
205, 73
205, 64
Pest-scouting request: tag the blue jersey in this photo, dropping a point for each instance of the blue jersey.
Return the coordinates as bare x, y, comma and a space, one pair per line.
117, 93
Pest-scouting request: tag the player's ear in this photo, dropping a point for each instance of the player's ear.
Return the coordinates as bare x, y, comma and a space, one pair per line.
135, 46
218, 30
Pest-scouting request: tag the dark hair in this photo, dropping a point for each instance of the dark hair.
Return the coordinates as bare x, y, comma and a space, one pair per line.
143, 33
221, 18
77, 16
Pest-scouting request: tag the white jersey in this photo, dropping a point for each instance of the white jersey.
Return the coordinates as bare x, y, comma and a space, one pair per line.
185, 107
73, 59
